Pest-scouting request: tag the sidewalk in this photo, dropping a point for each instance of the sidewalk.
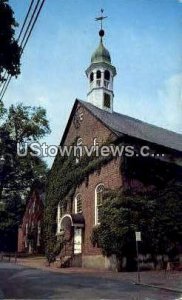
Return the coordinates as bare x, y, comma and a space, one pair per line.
171, 280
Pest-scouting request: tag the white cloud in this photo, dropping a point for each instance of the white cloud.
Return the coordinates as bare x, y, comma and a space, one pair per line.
180, 1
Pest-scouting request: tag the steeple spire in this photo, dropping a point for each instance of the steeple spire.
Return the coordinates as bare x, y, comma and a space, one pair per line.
100, 74
101, 18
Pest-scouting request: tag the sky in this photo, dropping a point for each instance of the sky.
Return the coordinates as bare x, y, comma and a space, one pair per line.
144, 38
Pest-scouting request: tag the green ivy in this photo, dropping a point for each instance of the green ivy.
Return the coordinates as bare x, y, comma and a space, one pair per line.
65, 176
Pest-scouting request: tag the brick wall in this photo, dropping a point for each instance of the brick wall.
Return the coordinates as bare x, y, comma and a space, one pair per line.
109, 175
33, 214
111, 178
21, 243
89, 129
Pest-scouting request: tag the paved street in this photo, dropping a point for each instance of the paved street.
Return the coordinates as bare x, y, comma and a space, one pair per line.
19, 282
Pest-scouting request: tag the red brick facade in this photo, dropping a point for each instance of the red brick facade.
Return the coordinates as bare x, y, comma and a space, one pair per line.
109, 175
29, 233
89, 128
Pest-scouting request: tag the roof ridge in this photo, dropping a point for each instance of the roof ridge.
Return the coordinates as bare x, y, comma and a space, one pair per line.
123, 124
132, 118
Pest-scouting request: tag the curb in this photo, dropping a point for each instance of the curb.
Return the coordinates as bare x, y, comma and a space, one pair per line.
159, 287
44, 268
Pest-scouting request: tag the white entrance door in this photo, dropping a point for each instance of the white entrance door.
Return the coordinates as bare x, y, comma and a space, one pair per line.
77, 240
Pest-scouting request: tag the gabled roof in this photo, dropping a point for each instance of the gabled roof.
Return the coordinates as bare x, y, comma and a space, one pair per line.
121, 124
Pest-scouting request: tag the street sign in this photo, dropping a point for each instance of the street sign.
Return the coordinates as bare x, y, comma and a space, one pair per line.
138, 236
138, 239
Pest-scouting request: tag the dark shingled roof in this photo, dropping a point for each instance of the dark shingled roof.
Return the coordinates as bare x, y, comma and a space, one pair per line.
122, 124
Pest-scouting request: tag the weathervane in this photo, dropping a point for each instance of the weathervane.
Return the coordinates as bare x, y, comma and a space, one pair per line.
101, 18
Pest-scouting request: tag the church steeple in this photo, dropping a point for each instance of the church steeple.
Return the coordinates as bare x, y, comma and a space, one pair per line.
100, 74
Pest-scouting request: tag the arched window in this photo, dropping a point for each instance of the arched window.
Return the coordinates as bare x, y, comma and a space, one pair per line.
91, 77
78, 204
79, 149
98, 74
107, 75
98, 202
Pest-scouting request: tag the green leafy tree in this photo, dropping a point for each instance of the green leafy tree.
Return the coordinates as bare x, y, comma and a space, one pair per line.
9, 48
26, 123
158, 216
22, 124
122, 214
166, 224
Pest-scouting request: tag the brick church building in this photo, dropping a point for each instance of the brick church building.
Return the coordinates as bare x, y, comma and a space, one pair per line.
30, 230
94, 122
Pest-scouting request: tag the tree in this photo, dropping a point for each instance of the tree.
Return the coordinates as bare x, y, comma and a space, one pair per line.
26, 124
122, 214
21, 124
158, 216
10, 51
166, 225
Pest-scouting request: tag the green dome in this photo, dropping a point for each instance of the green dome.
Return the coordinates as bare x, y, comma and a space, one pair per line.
101, 54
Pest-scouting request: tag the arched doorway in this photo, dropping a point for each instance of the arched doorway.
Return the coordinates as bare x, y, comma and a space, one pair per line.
72, 226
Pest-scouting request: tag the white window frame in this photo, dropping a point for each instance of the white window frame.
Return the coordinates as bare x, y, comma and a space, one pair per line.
60, 208
79, 143
96, 206
38, 233
33, 207
95, 143
58, 217
26, 233
76, 204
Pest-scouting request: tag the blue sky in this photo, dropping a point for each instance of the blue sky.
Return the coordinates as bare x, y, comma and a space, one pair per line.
144, 39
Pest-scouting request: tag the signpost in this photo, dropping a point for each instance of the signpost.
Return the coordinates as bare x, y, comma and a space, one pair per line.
138, 239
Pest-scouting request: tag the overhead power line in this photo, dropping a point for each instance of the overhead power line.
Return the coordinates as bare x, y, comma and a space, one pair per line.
30, 22
26, 36
19, 36
5, 86
25, 20
35, 20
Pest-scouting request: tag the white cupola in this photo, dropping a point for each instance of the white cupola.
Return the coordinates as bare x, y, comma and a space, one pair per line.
100, 74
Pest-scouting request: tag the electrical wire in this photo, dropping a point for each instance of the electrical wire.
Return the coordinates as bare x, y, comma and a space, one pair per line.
35, 20
30, 22
19, 36
25, 20
6, 83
